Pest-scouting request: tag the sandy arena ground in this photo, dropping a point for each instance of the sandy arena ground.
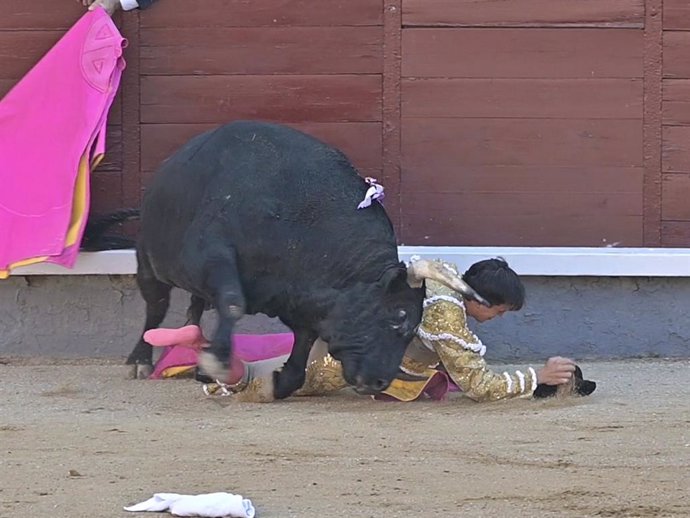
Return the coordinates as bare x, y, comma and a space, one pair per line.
79, 440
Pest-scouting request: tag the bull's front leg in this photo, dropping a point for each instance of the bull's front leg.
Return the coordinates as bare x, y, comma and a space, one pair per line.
291, 377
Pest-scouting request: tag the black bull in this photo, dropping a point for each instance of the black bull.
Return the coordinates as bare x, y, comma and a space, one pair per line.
260, 218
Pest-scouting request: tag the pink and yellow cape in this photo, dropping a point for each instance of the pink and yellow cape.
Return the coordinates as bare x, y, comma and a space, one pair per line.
52, 134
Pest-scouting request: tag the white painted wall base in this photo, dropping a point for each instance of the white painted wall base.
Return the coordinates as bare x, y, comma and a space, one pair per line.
530, 261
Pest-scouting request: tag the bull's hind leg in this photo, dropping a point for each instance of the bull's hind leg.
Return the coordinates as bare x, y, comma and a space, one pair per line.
223, 283
156, 294
195, 310
291, 377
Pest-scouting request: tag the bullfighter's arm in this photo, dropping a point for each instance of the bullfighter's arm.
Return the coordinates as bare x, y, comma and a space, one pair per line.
444, 327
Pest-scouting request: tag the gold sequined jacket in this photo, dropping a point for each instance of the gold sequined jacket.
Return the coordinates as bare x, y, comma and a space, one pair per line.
443, 339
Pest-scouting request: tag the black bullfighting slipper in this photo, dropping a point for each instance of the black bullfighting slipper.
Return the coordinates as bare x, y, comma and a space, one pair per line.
577, 386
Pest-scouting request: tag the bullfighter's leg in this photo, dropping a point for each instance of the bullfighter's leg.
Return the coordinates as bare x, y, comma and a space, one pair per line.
291, 377
223, 283
156, 294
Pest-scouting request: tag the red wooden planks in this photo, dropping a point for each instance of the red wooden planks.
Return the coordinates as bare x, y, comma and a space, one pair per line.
219, 99
443, 143
676, 52
527, 219
675, 189
522, 53
454, 178
262, 50
21, 50
676, 149
40, 14
263, 13
106, 191
676, 14
676, 102
514, 13
675, 233
528, 98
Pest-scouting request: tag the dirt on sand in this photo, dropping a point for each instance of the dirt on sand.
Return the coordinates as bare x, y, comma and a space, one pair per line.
77, 439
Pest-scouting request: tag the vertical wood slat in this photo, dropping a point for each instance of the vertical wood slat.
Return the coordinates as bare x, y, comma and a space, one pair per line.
651, 194
392, 65
131, 147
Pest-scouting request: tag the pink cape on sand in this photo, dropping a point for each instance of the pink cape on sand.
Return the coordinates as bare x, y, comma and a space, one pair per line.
52, 134
182, 346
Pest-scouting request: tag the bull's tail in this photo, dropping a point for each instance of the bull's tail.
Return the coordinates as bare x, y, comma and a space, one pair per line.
95, 239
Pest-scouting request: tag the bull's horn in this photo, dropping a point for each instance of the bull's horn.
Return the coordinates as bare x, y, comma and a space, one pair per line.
422, 269
404, 376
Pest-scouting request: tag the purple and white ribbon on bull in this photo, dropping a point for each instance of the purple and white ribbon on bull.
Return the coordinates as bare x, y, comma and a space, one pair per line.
375, 192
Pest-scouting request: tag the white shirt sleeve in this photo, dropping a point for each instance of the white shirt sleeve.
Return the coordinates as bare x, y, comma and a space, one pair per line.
128, 5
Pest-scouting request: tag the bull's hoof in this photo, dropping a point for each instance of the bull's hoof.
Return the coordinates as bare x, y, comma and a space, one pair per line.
284, 385
259, 390
212, 367
140, 371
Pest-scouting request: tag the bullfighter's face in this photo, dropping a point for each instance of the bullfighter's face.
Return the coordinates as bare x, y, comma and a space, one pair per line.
370, 328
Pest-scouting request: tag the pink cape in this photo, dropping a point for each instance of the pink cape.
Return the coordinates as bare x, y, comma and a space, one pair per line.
52, 133
182, 347
248, 348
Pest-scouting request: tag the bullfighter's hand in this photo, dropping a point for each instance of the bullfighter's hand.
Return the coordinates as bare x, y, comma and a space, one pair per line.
556, 371
109, 5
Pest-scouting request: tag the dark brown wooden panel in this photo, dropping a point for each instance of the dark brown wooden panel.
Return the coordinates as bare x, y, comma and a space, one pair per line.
676, 149
106, 191
392, 95
21, 50
675, 233
676, 14
5, 86
522, 53
676, 52
653, 74
522, 219
453, 179
529, 98
220, 99
579, 13
262, 50
360, 141
432, 143
40, 14
676, 197
263, 13
676, 102
112, 161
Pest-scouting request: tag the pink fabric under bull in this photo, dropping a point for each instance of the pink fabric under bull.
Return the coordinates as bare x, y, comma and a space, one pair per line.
52, 133
182, 346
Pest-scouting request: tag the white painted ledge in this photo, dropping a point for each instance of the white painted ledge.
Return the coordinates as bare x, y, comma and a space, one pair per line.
530, 261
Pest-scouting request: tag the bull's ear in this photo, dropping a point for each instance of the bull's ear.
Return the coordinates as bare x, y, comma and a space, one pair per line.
393, 278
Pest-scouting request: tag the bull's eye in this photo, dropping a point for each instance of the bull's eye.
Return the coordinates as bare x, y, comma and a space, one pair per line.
402, 318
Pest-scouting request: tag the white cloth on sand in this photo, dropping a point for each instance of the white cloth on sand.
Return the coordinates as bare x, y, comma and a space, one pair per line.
210, 505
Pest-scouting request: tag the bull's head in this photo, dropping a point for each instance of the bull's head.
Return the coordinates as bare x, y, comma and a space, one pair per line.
372, 324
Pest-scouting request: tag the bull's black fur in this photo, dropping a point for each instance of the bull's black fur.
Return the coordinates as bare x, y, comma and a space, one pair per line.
255, 217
